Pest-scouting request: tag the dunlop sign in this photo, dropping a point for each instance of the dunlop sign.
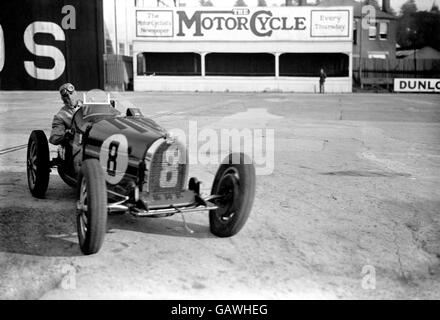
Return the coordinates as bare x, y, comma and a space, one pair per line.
241, 24
416, 85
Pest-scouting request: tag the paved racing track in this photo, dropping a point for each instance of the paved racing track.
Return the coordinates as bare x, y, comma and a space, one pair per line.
351, 210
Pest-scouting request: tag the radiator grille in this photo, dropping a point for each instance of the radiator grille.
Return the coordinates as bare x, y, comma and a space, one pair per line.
166, 175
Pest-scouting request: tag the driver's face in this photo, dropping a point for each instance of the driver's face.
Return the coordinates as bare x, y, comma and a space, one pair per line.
71, 98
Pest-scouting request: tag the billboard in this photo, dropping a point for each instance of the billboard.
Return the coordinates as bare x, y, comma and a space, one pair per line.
416, 85
245, 24
45, 43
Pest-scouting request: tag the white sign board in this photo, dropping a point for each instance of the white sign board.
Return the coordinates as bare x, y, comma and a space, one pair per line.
245, 24
157, 23
327, 23
416, 85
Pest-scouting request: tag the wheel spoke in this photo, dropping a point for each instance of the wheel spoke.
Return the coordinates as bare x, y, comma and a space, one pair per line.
32, 163
32, 176
32, 152
83, 202
227, 189
85, 221
226, 217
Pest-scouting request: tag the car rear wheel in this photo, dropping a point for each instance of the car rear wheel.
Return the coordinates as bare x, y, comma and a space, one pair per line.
234, 182
37, 164
91, 207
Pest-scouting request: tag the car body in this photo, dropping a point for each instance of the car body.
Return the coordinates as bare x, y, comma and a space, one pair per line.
128, 163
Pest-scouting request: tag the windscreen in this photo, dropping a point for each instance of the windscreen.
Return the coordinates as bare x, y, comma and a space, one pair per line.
97, 103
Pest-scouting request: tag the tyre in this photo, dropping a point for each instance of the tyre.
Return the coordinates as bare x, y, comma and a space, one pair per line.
235, 183
37, 164
91, 207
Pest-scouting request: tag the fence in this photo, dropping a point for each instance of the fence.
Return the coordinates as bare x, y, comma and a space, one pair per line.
118, 72
383, 71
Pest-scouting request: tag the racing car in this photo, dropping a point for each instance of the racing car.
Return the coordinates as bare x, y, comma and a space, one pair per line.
127, 163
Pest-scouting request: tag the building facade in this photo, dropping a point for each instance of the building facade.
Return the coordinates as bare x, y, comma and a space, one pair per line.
243, 49
374, 29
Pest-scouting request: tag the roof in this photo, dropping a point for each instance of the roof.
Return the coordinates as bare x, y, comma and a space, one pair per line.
357, 8
422, 53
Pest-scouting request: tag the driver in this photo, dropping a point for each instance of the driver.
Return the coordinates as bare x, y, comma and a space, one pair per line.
62, 121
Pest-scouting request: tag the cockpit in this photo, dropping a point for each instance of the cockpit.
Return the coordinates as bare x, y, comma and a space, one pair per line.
91, 111
96, 106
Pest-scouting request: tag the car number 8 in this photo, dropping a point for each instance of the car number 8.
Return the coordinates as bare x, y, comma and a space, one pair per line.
168, 174
112, 155
113, 158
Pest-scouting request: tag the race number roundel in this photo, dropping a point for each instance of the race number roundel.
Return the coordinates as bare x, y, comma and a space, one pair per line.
113, 158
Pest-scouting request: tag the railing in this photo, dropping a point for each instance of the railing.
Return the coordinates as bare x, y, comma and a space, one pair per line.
385, 70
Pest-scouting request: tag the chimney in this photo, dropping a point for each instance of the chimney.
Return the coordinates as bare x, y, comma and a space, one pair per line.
386, 5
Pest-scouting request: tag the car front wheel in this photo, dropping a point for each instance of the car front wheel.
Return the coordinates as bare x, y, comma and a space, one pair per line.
234, 183
91, 207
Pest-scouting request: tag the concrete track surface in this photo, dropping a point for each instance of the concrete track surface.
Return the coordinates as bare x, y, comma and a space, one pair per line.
351, 210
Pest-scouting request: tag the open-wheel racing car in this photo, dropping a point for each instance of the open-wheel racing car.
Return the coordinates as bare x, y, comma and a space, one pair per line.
128, 163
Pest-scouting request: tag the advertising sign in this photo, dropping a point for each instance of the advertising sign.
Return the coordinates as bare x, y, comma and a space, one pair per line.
416, 85
45, 43
154, 23
327, 23
245, 24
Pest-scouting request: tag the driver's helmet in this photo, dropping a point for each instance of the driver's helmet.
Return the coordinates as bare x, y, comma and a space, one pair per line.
66, 89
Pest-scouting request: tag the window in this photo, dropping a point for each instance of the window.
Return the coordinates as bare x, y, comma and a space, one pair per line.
240, 64
109, 46
354, 32
372, 32
383, 31
141, 64
121, 48
169, 64
309, 64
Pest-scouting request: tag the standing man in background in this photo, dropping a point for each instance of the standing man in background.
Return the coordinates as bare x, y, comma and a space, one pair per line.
322, 77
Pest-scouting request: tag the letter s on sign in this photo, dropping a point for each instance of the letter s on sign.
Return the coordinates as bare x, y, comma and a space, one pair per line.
2, 49
44, 50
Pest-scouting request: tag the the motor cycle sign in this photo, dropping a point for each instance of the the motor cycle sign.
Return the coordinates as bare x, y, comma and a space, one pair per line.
245, 24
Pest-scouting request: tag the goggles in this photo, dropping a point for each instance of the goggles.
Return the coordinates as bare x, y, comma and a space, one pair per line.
69, 89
